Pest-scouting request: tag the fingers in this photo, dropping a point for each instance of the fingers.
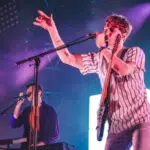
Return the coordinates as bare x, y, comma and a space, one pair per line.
51, 16
40, 25
100, 40
43, 20
42, 14
37, 24
117, 31
20, 100
21, 94
38, 19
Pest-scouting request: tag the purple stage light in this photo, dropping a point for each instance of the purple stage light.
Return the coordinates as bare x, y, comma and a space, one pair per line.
138, 15
26, 71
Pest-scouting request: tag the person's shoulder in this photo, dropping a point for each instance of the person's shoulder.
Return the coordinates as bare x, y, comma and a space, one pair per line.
136, 49
48, 106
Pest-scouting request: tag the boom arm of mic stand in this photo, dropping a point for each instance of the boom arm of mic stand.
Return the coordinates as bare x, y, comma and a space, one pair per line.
10, 106
54, 50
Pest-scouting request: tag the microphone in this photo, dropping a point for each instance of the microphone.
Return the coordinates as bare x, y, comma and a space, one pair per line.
24, 96
93, 35
106, 40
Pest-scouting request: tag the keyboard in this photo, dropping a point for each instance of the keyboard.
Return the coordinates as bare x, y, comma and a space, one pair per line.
56, 146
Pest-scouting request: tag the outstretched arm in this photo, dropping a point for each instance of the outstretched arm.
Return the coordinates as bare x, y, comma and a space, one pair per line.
65, 56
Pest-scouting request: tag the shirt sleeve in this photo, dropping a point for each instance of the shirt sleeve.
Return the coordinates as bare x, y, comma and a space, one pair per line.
90, 63
14, 123
52, 133
137, 56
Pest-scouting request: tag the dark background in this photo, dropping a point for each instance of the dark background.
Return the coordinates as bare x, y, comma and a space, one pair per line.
65, 88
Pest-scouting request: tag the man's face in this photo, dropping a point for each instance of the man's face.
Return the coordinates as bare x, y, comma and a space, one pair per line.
111, 32
108, 29
31, 91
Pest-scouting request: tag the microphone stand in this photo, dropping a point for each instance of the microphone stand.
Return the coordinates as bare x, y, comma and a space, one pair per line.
11, 105
36, 58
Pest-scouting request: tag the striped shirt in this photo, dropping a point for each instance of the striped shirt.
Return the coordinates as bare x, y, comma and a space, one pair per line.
128, 98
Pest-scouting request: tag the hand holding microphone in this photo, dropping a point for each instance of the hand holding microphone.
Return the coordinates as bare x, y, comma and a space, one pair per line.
101, 40
20, 101
22, 97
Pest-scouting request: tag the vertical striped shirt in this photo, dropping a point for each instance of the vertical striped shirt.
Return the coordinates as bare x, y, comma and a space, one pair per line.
128, 98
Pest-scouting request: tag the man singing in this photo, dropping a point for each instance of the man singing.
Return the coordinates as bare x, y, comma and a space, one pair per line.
48, 130
129, 113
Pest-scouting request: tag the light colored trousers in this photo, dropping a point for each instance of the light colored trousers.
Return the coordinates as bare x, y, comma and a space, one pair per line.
139, 138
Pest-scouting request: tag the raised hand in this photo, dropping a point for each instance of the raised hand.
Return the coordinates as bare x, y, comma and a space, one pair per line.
44, 21
20, 100
100, 40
